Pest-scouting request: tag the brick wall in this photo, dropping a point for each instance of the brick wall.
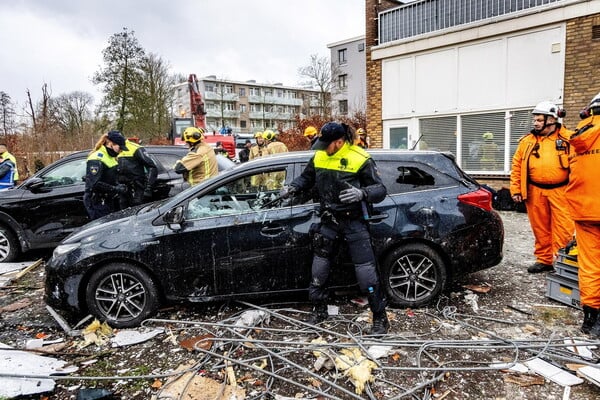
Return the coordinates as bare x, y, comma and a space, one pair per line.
582, 69
374, 116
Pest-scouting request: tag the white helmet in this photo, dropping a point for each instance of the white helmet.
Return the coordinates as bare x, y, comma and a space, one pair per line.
595, 101
547, 108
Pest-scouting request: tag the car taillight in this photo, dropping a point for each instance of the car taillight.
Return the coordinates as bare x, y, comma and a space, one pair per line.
480, 198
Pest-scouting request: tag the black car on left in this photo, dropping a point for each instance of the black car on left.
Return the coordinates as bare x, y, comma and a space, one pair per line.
48, 206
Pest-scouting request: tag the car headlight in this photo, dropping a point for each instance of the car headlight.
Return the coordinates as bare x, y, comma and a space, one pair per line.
63, 249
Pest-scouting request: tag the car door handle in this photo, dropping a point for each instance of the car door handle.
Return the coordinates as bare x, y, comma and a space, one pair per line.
272, 230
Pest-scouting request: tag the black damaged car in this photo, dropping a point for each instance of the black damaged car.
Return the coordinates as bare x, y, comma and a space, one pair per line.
232, 237
47, 207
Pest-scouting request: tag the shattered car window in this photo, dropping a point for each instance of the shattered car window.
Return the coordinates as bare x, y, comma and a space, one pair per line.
247, 194
68, 173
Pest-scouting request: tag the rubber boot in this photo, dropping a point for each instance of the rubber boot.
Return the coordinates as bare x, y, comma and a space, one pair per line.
318, 314
380, 324
590, 316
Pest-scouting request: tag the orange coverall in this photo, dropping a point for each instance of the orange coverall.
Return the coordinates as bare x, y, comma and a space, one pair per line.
583, 194
541, 181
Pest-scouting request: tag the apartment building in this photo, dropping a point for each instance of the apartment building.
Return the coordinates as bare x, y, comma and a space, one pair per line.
349, 76
441, 74
247, 107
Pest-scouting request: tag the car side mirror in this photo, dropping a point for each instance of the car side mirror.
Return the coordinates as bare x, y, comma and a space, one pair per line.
35, 185
174, 218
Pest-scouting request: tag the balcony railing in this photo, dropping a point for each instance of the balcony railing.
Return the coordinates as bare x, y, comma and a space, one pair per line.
427, 16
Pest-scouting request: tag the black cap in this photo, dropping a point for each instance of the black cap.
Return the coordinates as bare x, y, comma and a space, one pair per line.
330, 132
118, 138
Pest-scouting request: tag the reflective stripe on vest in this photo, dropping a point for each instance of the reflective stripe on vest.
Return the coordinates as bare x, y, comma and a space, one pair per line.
102, 155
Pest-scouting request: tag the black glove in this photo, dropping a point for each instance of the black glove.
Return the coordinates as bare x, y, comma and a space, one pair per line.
148, 194
121, 188
287, 191
352, 195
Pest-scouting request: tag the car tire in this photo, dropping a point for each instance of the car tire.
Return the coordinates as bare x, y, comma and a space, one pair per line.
413, 275
9, 245
121, 294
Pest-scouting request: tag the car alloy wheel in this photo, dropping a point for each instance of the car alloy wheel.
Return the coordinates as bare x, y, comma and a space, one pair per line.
413, 275
9, 247
121, 294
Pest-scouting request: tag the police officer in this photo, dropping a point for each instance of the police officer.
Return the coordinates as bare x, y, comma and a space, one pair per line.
346, 179
102, 191
200, 163
7, 173
138, 172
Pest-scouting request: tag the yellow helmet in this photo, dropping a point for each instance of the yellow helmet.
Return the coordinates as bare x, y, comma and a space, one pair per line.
310, 131
193, 135
488, 135
258, 134
268, 135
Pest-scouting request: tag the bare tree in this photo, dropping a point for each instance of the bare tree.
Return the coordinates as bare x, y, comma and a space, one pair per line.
71, 112
322, 74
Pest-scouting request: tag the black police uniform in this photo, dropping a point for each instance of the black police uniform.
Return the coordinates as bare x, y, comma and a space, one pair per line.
101, 189
138, 172
349, 166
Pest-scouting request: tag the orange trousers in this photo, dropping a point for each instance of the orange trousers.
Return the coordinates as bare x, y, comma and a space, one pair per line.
588, 260
550, 222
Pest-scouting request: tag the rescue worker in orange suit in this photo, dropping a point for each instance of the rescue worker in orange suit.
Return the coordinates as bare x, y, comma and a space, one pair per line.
102, 191
138, 171
584, 209
361, 139
311, 133
200, 163
346, 179
539, 177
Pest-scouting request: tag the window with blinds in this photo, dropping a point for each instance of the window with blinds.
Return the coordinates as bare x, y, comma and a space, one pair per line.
483, 142
437, 134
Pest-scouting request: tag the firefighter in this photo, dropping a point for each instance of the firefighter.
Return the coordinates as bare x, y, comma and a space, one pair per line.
274, 146
311, 133
488, 152
274, 179
539, 177
261, 146
346, 179
200, 163
582, 197
361, 139
138, 171
101, 196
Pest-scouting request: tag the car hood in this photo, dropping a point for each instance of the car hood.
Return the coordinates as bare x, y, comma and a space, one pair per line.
107, 222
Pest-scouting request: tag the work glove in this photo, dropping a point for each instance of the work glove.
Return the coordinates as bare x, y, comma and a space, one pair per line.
287, 191
148, 194
121, 188
352, 195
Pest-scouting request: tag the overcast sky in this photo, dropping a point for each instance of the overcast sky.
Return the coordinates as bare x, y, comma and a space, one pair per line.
60, 42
